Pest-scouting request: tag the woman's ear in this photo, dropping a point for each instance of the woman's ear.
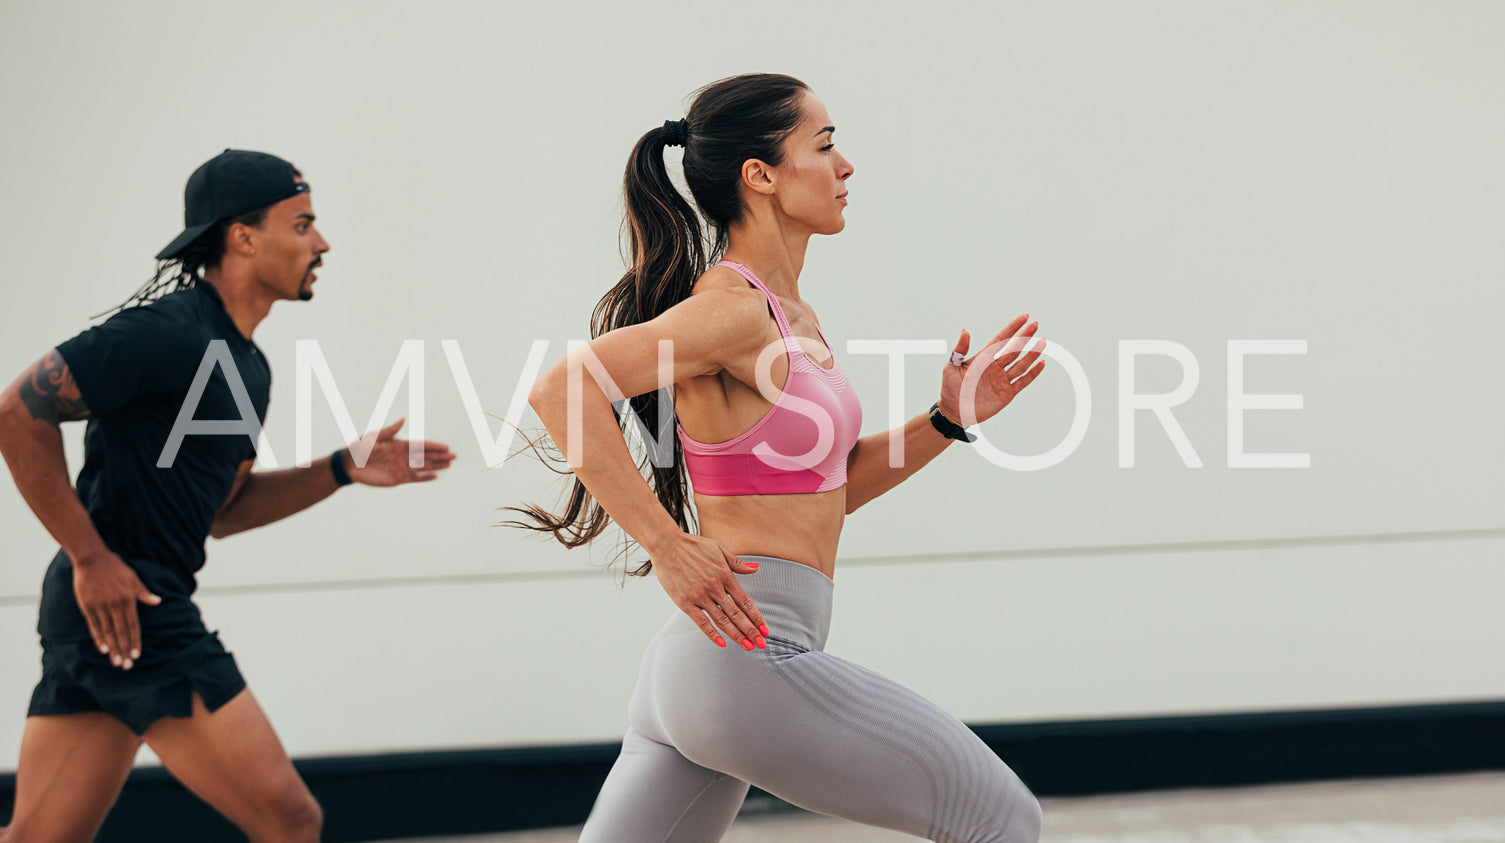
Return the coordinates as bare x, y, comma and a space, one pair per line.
758, 176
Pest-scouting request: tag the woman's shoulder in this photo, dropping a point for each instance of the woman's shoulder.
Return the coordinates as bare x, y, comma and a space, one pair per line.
725, 278
722, 289
721, 306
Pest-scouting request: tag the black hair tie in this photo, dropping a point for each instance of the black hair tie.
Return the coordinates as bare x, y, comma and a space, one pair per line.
674, 132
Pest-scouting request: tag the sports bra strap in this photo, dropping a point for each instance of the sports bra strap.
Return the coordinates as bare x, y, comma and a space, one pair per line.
791, 345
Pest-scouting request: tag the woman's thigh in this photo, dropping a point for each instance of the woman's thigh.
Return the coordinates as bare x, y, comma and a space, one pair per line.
655, 795
836, 738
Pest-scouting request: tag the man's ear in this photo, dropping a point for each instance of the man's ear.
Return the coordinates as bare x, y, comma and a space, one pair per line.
240, 239
758, 176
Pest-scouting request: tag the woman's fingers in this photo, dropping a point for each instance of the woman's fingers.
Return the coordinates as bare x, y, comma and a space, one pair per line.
731, 613
700, 576
726, 618
1006, 350
959, 352
1022, 365
736, 563
728, 624
1029, 377
735, 612
707, 627
743, 604
1010, 329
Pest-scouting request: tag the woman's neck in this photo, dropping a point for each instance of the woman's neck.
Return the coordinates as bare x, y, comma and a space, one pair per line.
762, 242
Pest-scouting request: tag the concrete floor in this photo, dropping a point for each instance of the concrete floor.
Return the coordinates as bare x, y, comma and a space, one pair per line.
1441, 809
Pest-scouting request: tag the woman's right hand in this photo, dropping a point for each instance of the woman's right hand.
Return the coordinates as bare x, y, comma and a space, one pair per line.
107, 591
699, 575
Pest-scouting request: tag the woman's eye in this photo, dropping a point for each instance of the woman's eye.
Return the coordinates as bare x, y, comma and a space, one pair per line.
828, 147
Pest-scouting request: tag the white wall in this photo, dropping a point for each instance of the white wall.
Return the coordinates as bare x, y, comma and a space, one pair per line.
1190, 172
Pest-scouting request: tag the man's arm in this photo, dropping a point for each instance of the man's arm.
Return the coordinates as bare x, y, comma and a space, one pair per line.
258, 499
31, 410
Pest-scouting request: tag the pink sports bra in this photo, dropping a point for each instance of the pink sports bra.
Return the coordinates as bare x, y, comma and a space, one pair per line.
800, 445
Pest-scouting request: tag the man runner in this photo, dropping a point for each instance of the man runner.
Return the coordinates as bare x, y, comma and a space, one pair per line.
175, 393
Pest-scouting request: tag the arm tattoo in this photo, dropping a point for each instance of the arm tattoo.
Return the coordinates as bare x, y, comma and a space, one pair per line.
49, 393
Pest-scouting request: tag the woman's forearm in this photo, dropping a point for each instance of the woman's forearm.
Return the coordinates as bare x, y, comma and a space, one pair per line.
599, 457
869, 473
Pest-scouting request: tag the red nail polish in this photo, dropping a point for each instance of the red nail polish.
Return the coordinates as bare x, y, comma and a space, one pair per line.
753, 565
720, 642
763, 628
747, 645
762, 645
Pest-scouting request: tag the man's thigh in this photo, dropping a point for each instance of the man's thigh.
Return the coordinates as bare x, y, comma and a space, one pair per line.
232, 759
72, 767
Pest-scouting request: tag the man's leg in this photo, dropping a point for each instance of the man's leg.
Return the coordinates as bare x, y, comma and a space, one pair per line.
233, 760
71, 769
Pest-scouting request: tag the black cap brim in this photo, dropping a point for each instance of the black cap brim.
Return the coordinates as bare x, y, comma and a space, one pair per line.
181, 242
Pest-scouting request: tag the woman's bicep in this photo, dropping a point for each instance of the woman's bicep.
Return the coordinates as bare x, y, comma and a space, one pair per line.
695, 337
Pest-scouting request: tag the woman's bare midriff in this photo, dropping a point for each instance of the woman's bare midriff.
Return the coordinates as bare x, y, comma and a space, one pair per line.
800, 528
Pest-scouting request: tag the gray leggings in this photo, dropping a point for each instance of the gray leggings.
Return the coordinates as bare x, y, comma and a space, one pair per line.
810, 728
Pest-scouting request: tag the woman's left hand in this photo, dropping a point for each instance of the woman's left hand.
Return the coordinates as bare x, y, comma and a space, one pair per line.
999, 380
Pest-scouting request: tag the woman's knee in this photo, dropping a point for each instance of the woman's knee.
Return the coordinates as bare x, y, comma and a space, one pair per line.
1019, 821
1026, 819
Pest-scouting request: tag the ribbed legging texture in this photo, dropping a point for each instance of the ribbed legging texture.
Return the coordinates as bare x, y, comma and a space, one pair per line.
812, 729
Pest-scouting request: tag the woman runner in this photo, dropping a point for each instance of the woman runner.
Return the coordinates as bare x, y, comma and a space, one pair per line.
735, 689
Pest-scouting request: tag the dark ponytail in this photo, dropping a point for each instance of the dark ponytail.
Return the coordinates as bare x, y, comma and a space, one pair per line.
729, 122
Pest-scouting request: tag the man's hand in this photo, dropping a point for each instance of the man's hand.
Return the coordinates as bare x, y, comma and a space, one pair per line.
387, 463
107, 590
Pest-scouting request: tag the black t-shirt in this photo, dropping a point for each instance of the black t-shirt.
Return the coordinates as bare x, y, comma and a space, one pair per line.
153, 493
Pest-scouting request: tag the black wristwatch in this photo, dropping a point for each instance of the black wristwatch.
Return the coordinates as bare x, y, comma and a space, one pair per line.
337, 468
948, 428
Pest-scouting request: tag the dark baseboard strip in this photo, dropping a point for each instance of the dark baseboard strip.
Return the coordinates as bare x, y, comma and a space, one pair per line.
489, 790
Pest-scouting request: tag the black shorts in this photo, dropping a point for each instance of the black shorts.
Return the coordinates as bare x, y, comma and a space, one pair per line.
77, 678
179, 655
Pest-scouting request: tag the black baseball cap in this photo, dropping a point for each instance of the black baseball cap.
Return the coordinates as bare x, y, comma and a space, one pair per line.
231, 183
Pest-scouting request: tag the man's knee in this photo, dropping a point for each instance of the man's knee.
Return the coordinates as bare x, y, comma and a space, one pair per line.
305, 816
296, 816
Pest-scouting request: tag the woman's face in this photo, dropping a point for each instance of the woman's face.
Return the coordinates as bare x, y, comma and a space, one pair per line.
810, 183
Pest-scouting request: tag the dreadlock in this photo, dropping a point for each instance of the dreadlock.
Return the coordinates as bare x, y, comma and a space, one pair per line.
186, 270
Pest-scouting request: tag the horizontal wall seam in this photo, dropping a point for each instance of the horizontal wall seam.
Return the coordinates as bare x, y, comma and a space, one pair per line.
848, 562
